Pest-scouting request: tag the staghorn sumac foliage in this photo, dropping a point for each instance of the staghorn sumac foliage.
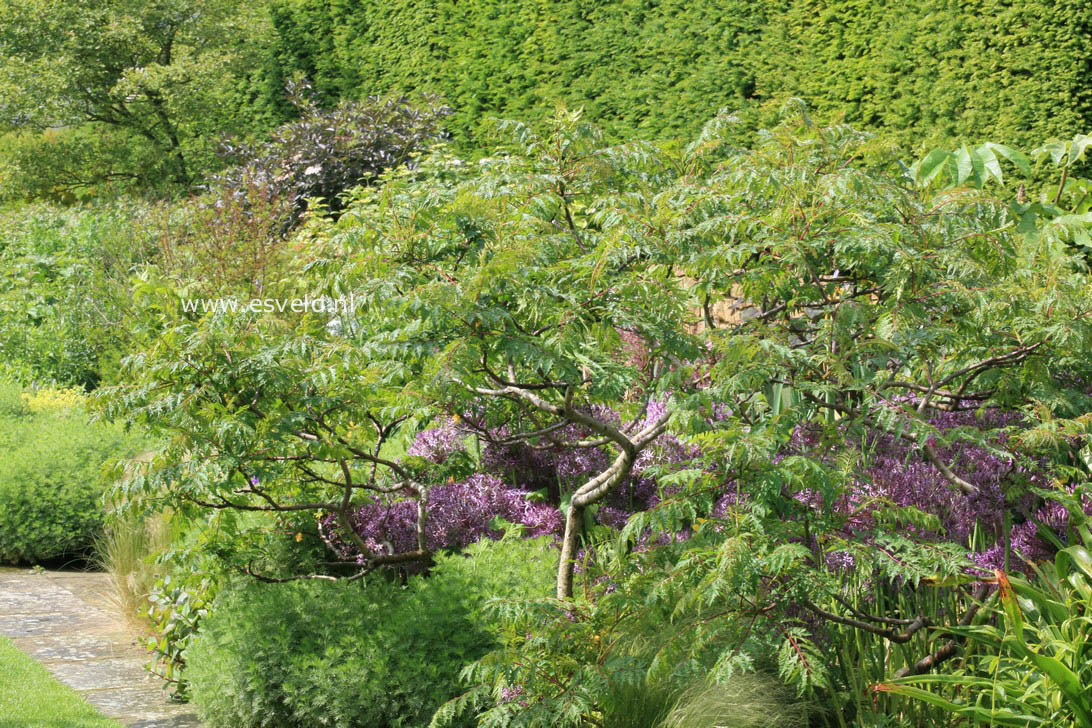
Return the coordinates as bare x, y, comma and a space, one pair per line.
508, 295
895, 378
855, 364
515, 284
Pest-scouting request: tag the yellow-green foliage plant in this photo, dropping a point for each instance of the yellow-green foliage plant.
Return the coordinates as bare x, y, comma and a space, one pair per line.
51, 492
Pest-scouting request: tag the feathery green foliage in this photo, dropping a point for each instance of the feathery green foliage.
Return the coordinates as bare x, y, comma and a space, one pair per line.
351, 655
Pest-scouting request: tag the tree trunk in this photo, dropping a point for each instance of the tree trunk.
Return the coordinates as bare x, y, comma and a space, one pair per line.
591, 492
567, 566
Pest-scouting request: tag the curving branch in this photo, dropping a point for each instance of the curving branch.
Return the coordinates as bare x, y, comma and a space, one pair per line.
868, 624
628, 446
950, 648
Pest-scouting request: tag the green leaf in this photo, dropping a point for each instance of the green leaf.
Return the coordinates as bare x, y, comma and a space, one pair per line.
974, 712
930, 165
1074, 557
962, 164
1013, 155
990, 164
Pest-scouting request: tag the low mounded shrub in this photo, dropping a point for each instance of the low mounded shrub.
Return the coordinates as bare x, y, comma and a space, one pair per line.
349, 654
51, 492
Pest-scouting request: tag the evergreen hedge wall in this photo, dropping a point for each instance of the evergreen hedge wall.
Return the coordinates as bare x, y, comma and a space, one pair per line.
933, 70
1017, 71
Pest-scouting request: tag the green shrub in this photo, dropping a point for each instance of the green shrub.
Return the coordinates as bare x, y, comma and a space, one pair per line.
122, 92
176, 610
12, 404
64, 293
346, 654
51, 492
71, 164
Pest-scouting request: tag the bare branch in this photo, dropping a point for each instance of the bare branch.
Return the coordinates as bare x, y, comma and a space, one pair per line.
951, 647
891, 635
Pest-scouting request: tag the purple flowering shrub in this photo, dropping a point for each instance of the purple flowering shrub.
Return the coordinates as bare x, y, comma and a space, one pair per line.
509, 486
524, 483
546, 466
1004, 508
976, 521
459, 514
438, 444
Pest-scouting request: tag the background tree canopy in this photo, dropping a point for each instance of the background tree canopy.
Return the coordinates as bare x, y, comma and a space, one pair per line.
132, 90
143, 91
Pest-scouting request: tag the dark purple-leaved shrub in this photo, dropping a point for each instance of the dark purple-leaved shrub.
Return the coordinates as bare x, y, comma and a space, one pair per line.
328, 151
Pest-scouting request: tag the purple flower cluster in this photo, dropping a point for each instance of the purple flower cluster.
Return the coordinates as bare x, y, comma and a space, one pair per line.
437, 444
1024, 540
459, 514
899, 475
545, 465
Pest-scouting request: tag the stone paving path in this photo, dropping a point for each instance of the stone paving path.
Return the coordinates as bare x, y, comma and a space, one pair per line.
65, 621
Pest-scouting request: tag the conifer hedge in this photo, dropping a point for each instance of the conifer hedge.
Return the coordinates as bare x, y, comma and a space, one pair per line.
657, 69
938, 70
935, 70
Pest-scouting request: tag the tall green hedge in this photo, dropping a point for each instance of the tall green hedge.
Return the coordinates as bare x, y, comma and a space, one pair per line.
938, 70
1017, 70
655, 68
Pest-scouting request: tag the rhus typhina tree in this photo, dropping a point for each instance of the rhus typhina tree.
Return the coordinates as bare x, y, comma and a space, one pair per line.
526, 298
535, 292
